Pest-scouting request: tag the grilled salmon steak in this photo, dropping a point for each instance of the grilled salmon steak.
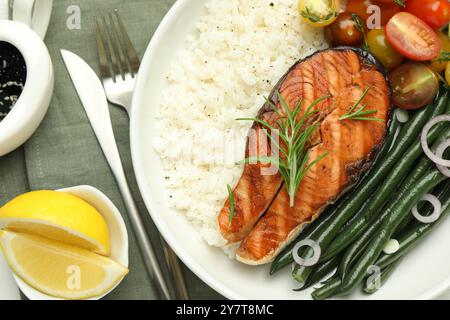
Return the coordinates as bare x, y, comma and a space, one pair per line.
255, 190
264, 222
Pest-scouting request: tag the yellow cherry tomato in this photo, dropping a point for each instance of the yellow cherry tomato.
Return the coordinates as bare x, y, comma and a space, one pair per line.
447, 74
382, 49
439, 65
319, 13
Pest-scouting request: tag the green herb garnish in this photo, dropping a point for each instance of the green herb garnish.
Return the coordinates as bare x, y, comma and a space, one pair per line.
444, 57
308, 14
292, 163
400, 3
361, 113
361, 27
231, 197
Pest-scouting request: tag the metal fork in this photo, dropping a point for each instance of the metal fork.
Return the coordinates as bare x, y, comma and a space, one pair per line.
119, 65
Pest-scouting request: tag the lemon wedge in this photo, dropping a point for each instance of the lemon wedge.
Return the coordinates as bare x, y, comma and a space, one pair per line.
59, 216
59, 269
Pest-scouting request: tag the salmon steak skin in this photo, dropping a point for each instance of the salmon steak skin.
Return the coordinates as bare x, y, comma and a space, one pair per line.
263, 221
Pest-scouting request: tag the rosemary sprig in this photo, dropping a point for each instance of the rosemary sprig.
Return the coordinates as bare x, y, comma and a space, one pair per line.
292, 163
361, 27
231, 197
361, 113
400, 3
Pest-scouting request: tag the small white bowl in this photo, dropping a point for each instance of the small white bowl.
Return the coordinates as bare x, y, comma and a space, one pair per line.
117, 231
31, 107
9, 289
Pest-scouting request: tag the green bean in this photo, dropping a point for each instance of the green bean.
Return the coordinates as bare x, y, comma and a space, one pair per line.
416, 233
387, 228
321, 271
285, 258
328, 290
366, 187
383, 193
372, 285
357, 247
422, 207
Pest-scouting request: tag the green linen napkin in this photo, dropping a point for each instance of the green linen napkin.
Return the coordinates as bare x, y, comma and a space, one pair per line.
64, 151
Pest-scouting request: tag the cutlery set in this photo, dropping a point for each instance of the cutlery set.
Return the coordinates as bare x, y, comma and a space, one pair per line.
119, 66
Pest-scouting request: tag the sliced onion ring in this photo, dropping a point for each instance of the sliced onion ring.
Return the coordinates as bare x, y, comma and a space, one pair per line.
424, 140
436, 212
440, 153
308, 262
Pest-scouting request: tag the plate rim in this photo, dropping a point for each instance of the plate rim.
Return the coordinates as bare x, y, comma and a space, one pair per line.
195, 267
161, 225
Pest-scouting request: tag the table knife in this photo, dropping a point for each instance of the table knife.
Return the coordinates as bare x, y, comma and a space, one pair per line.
93, 99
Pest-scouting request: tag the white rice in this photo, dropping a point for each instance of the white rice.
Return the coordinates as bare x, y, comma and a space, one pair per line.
237, 54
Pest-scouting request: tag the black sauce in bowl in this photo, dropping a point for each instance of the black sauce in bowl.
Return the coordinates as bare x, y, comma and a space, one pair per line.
13, 74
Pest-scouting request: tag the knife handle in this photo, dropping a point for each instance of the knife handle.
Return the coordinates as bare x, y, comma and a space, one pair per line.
93, 99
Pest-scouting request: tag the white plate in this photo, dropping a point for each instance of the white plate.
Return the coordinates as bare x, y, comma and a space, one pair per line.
425, 273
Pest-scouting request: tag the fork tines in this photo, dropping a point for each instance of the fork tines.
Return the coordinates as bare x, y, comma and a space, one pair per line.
118, 58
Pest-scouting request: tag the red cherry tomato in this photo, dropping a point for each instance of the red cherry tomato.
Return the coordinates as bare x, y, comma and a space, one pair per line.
387, 10
412, 37
343, 31
434, 12
359, 7
383, 1
414, 85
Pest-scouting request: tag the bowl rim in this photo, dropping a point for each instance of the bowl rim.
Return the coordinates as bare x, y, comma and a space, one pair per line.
194, 266
162, 226
114, 213
32, 104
